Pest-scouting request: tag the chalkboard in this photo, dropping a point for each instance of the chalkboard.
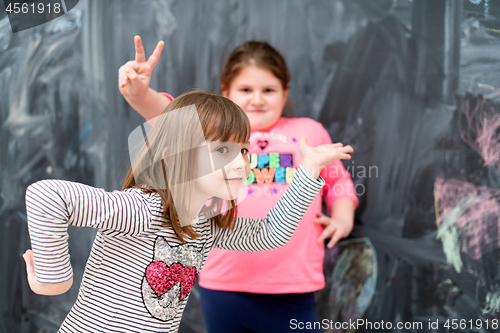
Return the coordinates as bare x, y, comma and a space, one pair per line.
412, 85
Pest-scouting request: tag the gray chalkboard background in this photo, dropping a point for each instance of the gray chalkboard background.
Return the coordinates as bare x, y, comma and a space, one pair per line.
413, 86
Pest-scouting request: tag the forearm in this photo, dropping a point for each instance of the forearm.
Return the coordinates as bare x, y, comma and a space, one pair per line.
47, 217
150, 106
342, 210
278, 227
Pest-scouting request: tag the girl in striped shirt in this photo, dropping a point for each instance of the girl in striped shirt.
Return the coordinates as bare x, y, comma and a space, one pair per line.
155, 234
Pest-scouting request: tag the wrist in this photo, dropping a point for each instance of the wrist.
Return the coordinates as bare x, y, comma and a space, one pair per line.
134, 101
348, 226
311, 168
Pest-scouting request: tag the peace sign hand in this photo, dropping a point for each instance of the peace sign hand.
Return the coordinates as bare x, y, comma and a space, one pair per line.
134, 76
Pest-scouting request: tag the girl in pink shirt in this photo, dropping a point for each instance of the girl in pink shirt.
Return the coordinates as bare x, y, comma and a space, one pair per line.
262, 291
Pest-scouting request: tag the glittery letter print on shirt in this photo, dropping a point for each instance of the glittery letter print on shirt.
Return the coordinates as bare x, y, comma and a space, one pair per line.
271, 168
169, 278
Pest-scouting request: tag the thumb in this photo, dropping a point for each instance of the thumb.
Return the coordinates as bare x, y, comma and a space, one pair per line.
302, 141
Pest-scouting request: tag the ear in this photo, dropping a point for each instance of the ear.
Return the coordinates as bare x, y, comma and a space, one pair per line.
161, 242
285, 95
225, 93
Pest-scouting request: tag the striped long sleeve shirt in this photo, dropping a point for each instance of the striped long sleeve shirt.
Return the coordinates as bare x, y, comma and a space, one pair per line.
139, 275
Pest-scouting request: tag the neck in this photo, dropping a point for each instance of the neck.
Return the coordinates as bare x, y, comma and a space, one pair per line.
196, 204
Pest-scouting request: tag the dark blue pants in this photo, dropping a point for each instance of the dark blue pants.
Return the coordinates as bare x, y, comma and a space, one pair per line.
238, 312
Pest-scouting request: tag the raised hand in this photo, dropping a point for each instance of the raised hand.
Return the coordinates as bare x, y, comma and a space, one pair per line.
316, 158
134, 76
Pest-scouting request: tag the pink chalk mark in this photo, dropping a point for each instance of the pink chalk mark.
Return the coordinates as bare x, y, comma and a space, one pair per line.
483, 127
479, 225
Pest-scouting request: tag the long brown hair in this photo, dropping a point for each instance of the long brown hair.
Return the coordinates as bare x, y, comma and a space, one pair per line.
259, 54
220, 119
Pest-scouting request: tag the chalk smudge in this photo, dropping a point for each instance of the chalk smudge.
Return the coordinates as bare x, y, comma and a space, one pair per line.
468, 218
350, 283
492, 301
482, 121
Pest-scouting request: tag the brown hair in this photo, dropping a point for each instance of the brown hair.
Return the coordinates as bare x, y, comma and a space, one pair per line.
259, 54
221, 120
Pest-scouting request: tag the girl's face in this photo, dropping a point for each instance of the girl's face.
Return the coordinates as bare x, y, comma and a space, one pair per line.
260, 94
232, 169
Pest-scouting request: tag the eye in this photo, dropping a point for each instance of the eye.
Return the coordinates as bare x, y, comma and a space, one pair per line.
244, 151
268, 90
222, 150
245, 90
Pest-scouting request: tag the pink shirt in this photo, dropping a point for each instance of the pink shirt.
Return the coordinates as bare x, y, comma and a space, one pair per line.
298, 266
167, 95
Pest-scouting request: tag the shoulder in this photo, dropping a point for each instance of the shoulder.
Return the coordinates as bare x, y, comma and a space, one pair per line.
57, 185
308, 123
314, 130
152, 197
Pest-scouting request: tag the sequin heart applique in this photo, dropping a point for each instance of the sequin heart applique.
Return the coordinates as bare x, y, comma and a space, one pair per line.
162, 278
169, 278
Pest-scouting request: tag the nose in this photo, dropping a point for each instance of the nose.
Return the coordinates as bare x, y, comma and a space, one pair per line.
239, 162
257, 98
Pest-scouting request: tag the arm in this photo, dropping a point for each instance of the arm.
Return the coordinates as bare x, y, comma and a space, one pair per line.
52, 205
48, 289
340, 197
134, 78
277, 228
340, 224
151, 105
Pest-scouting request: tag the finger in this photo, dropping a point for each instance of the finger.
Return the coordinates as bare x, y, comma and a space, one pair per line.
127, 76
131, 74
130, 64
323, 220
140, 56
334, 145
345, 157
346, 149
344, 152
153, 60
327, 233
302, 141
122, 79
331, 145
335, 238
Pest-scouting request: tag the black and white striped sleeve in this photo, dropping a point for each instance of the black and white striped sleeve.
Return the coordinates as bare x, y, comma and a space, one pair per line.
52, 205
277, 228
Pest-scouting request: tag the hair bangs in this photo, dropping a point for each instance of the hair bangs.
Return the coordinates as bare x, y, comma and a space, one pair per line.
227, 123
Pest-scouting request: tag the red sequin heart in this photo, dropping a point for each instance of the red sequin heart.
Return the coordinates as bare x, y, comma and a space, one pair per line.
162, 278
